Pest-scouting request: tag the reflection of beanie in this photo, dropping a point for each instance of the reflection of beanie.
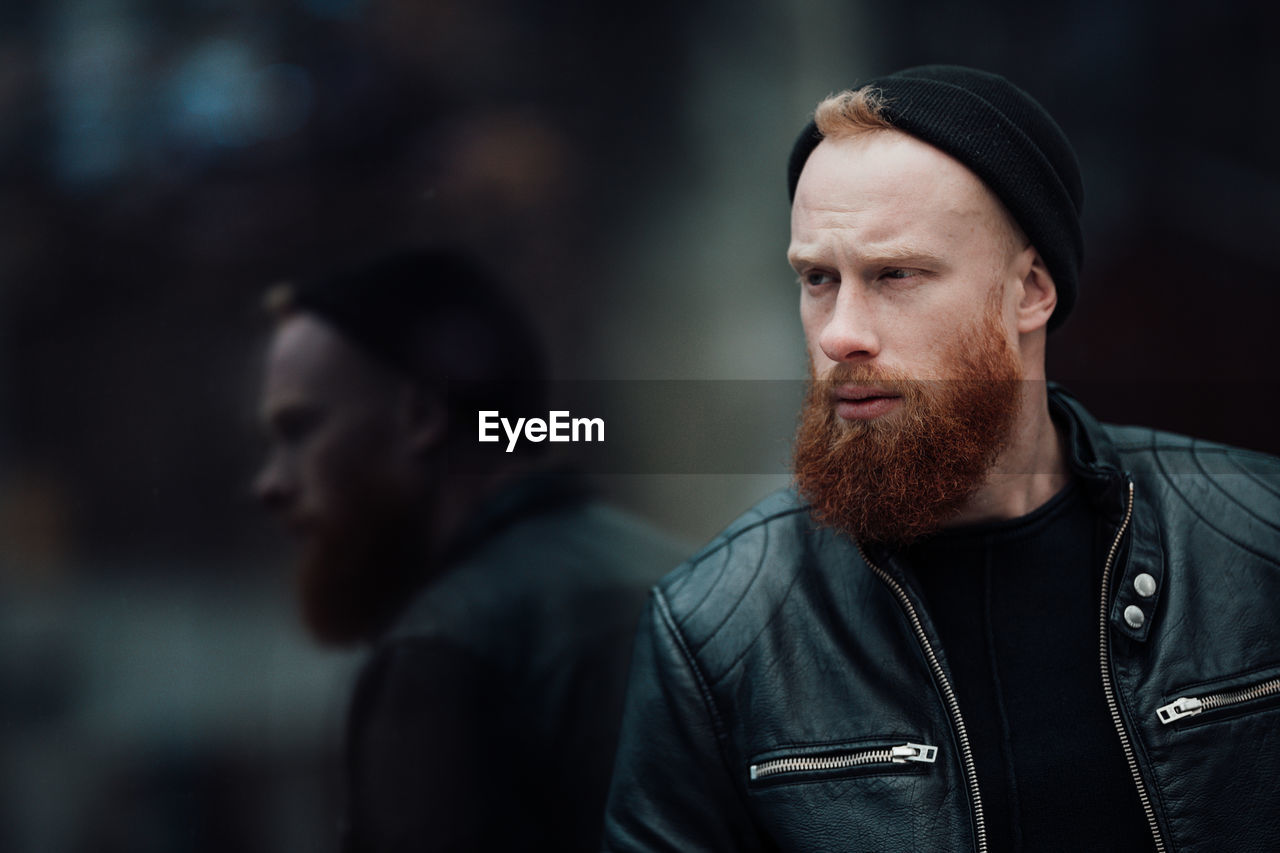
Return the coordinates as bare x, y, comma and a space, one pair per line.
1006, 139
437, 315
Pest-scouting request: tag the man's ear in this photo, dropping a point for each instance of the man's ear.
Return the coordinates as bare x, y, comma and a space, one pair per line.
1039, 293
426, 417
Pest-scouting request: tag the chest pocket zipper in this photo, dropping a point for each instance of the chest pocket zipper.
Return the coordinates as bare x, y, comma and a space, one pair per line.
1189, 706
900, 754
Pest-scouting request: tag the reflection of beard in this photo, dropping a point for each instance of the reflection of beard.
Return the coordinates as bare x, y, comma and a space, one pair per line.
897, 477
354, 574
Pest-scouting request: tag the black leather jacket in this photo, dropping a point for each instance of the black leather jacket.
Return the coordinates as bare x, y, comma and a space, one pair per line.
487, 714
782, 641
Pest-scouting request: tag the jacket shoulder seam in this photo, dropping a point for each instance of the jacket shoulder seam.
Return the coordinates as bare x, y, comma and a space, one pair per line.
719, 546
764, 626
1186, 445
725, 539
1248, 510
1173, 486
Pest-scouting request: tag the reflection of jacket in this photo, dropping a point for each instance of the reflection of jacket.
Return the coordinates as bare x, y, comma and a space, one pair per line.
486, 718
783, 641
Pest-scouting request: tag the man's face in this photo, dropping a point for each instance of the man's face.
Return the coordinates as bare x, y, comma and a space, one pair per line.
338, 472
909, 275
897, 246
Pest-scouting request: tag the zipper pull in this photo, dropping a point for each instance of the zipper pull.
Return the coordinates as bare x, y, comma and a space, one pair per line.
1185, 706
914, 752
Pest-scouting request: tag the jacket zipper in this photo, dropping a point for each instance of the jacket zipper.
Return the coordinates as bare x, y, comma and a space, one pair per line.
970, 771
1109, 688
1189, 706
900, 754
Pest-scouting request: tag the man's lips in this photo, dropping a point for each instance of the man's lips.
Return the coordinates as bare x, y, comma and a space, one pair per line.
864, 402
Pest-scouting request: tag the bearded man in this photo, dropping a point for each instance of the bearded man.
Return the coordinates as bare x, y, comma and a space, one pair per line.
498, 597
981, 620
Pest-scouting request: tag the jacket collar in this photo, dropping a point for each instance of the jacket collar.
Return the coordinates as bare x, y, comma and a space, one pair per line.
1091, 457
1093, 460
541, 490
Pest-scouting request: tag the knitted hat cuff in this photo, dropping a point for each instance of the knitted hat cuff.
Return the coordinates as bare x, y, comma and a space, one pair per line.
1005, 138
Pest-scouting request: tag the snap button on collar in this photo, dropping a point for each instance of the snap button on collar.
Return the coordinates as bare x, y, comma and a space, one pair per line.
1145, 585
1134, 616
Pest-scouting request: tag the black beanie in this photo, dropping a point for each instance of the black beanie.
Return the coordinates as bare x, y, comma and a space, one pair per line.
1007, 139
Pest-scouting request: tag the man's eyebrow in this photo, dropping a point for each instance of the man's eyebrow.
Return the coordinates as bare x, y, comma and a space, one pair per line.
800, 258
809, 255
901, 254
881, 255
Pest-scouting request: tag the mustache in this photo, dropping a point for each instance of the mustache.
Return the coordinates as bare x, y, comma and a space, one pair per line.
861, 374
897, 381
828, 388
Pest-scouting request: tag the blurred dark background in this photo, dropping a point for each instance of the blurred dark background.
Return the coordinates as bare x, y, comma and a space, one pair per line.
622, 165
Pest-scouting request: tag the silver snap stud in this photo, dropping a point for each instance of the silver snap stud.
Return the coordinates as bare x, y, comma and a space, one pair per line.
1145, 585
1134, 616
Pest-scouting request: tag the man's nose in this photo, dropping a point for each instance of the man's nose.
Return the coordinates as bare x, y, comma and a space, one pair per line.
849, 333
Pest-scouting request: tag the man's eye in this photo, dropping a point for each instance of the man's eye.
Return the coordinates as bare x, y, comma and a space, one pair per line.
816, 278
898, 273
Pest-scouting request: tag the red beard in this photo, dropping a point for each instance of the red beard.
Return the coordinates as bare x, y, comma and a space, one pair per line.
898, 477
353, 577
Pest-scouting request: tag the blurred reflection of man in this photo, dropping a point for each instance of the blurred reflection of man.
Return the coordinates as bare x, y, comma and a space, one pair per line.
983, 620
499, 599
